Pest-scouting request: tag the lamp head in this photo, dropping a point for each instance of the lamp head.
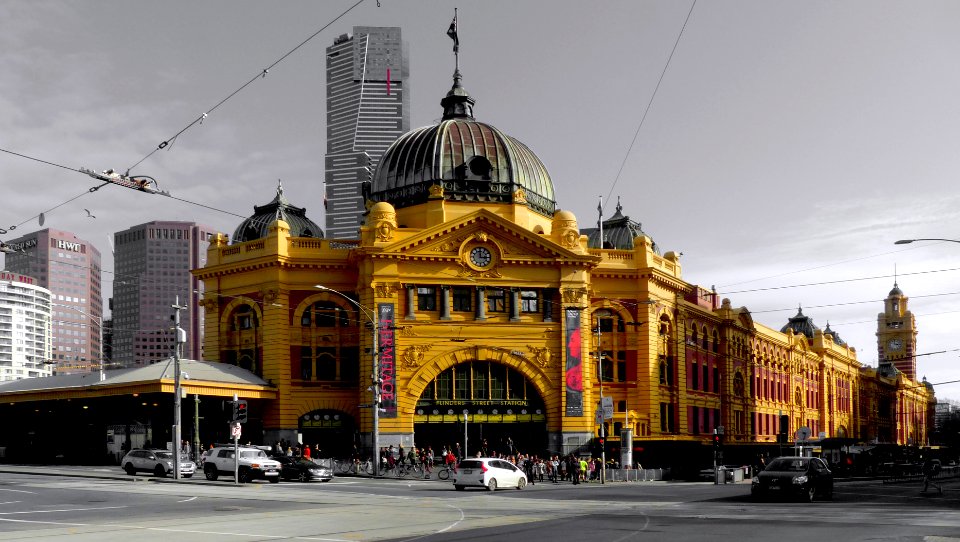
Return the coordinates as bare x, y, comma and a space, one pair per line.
904, 242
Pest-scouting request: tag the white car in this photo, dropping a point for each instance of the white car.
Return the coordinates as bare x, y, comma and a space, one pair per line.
488, 472
159, 462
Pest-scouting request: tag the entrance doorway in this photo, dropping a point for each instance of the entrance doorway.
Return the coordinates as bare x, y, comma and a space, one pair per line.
504, 411
333, 431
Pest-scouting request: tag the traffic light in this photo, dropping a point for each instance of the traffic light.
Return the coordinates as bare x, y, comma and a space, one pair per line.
717, 441
240, 411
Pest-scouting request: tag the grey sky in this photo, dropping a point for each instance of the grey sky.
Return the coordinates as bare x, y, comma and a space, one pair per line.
789, 142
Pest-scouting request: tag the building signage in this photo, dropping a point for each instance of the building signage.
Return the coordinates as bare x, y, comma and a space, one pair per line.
16, 278
68, 245
23, 245
574, 369
388, 358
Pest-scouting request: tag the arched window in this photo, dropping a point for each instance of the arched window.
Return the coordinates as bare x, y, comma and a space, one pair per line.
694, 337
243, 341
329, 343
716, 342
738, 386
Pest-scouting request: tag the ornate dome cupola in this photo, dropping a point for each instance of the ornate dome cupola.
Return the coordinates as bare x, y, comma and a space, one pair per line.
258, 225
618, 232
463, 160
836, 337
800, 324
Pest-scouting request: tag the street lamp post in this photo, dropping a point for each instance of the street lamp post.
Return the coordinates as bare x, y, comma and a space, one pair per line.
372, 317
99, 321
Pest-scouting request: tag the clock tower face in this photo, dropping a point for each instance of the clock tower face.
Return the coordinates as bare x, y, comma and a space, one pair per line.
480, 256
895, 344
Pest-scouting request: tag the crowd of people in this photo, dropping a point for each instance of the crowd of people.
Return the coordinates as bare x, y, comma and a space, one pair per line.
553, 468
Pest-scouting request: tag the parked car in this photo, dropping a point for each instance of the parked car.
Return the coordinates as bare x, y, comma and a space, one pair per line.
794, 477
488, 472
158, 462
305, 470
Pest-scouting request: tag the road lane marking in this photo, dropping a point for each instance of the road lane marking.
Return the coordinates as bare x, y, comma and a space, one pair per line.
19, 491
455, 523
188, 500
10, 502
62, 510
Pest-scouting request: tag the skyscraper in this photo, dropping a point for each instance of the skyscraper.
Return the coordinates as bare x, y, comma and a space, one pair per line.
70, 268
367, 109
152, 264
25, 328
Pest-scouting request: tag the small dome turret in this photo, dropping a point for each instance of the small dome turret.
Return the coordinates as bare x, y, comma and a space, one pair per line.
800, 324
258, 225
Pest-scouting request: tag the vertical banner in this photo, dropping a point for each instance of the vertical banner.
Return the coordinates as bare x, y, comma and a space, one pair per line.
388, 356
574, 372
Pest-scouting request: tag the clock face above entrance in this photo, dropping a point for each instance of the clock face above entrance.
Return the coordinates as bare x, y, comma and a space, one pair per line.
895, 344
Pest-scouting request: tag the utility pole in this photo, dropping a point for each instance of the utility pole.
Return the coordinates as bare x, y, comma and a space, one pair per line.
603, 418
180, 337
196, 427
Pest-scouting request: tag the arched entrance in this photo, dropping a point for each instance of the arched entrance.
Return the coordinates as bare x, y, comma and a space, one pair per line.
333, 431
502, 407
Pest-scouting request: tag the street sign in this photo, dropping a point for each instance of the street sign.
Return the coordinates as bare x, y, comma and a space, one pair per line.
803, 433
607, 405
235, 430
719, 429
598, 419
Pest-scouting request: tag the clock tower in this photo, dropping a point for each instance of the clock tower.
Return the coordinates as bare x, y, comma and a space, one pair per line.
897, 334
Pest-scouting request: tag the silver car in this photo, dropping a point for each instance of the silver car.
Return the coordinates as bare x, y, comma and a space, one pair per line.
158, 462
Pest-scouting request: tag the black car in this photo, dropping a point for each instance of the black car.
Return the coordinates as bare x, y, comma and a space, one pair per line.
305, 470
794, 477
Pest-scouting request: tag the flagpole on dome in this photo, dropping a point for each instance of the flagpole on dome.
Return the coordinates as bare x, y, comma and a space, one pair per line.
452, 32
600, 220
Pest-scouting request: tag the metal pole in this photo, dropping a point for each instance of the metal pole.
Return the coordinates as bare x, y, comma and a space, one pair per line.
376, 392
196, 427
375, 345
176, 386
100, 327
603, 417
236, 448
465, 420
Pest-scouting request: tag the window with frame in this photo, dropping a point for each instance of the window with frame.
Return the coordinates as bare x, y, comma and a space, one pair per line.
496, 300
529, 301
694, 375
426, 298
462, 299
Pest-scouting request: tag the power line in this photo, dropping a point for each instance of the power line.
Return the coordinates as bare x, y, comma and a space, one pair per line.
650, 102
841, 281
260, 75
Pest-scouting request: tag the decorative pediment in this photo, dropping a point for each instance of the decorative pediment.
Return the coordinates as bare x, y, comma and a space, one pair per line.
507, 240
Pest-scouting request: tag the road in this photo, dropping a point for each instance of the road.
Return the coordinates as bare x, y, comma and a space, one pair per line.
86, 503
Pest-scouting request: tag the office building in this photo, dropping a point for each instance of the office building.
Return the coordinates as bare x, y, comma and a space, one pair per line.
69, 268
367, 109
25, 328
152, 266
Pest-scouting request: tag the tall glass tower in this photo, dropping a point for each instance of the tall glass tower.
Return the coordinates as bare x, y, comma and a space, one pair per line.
367, 109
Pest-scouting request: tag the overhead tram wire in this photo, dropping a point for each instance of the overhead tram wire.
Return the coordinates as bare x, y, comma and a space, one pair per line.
840, 281
819, 267
94, 189
260, 75
650, 102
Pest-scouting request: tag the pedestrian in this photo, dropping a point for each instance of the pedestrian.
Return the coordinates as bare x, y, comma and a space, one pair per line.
306, 451
574, 469
564, 465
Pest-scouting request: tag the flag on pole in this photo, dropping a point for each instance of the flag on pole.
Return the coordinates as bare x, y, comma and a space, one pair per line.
452, 32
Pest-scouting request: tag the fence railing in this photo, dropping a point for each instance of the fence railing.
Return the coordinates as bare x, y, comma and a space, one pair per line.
635, 475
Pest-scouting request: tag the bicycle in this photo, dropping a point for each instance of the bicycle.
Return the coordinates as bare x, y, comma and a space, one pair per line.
444, 473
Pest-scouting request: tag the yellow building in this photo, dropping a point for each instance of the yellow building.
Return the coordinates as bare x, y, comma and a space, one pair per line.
473, 293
